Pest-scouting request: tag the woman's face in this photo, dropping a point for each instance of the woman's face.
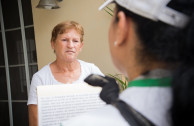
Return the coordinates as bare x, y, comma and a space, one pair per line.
112, 40
67, 46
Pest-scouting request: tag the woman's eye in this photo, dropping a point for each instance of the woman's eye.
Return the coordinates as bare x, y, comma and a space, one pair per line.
64, 39
75, 41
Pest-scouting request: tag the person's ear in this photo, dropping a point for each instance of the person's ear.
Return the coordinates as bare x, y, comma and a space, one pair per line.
53, 45
81, 46
122, 28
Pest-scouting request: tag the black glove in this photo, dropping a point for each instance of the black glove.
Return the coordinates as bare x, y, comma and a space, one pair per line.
110, 89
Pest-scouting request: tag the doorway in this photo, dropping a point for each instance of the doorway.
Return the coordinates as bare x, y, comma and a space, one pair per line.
18, 61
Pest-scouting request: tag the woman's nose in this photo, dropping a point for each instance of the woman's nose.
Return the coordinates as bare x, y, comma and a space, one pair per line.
70, 44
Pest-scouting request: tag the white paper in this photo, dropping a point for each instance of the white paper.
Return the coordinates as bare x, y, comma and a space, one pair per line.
57, 103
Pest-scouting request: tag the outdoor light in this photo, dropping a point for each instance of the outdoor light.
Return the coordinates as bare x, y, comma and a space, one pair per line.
48, 4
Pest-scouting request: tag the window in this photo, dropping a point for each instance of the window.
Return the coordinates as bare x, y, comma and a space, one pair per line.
18, 61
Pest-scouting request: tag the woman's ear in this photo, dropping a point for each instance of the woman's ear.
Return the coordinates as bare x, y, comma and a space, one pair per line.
122, 28
81, 46
53, 45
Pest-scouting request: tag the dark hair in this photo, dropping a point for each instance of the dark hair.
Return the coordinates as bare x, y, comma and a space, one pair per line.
173, 46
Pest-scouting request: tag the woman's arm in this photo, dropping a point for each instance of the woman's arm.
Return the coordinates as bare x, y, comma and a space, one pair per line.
33, 115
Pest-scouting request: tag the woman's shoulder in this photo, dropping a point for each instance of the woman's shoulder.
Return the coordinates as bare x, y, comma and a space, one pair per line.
150, 101
85, 63
89, 68
44, 70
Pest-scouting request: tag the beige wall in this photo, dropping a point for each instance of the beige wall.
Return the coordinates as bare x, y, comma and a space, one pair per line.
95, 23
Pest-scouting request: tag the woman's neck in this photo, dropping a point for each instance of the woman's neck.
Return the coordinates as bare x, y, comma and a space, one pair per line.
138, 69
65, 66
66, 72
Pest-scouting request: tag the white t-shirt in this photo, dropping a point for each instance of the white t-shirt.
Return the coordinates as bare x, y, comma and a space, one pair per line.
152, 102
45, 77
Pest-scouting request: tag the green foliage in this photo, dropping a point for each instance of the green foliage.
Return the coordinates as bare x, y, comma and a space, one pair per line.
109, 11
122, 81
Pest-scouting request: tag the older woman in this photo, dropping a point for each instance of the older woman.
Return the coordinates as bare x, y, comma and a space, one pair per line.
67, 43
152, 43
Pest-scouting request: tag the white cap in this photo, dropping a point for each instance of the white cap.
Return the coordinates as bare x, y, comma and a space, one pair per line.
155, 10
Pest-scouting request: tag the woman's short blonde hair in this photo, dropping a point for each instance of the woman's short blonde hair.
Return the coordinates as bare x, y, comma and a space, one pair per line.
64, 26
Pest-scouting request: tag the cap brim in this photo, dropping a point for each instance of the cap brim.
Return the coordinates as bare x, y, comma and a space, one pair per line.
105, 4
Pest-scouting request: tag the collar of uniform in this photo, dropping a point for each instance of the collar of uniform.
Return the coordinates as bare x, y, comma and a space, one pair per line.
154, 78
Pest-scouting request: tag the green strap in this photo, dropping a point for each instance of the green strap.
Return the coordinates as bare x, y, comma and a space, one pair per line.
158, 82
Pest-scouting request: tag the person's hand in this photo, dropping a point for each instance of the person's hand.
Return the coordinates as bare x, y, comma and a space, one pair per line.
110, 89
